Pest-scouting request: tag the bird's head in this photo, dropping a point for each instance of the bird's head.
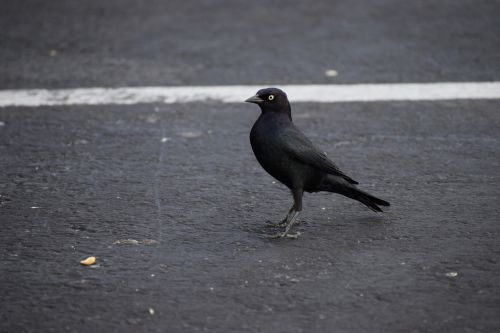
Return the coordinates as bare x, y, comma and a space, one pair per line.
271, 100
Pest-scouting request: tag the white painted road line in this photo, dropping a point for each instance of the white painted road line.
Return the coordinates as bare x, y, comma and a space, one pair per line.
235, 94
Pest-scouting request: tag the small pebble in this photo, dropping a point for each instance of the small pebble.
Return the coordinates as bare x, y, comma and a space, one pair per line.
191, 134
331, 73
127, 242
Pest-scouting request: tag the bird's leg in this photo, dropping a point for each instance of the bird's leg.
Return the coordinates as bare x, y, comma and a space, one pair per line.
292, 216
287, 217
289, 225
284, 221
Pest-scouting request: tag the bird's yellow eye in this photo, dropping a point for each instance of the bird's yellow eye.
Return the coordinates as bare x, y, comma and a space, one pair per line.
270, 97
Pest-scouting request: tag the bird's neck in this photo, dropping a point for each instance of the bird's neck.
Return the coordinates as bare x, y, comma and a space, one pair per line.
283, 110
288, 109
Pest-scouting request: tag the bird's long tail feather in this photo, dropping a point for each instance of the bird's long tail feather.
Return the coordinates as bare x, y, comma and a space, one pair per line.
337, 185
367, 199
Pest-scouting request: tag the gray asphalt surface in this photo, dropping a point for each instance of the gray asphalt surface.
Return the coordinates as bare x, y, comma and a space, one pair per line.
198, 202
209, 42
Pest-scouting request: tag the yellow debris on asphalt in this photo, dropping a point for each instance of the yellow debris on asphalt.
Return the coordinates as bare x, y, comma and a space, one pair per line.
89, 261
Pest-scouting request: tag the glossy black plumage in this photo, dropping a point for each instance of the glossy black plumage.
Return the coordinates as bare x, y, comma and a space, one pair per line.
290, 157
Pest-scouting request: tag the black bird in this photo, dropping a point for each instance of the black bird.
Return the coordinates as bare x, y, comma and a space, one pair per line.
290, 157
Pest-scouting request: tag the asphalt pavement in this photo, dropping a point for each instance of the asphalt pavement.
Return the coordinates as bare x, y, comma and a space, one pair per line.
173, 204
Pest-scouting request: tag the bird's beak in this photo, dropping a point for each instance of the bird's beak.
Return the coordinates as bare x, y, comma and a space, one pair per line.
254, 99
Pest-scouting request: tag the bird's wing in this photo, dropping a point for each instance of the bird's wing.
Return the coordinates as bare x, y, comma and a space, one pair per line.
301, 148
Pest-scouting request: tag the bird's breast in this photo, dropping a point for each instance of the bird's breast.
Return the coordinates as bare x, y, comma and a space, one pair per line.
270, 155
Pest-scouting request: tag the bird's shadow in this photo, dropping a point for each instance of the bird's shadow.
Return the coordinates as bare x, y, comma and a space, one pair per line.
267, 228
355, 225
372, 220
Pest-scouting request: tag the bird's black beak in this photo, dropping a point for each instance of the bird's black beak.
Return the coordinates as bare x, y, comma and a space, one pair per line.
254, 99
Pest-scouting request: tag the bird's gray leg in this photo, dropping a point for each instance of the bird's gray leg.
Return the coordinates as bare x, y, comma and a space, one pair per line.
293, 214
284, 221
287, 217
293, 220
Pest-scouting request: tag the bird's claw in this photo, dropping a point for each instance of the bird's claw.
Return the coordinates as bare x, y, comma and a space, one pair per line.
284, 235
276, 225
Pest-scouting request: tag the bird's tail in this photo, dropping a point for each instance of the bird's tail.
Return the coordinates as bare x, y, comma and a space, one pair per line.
334, 184
367, 199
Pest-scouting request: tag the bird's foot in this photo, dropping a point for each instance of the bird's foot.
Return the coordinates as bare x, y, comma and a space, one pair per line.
276, 225
282, 224
284, 235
